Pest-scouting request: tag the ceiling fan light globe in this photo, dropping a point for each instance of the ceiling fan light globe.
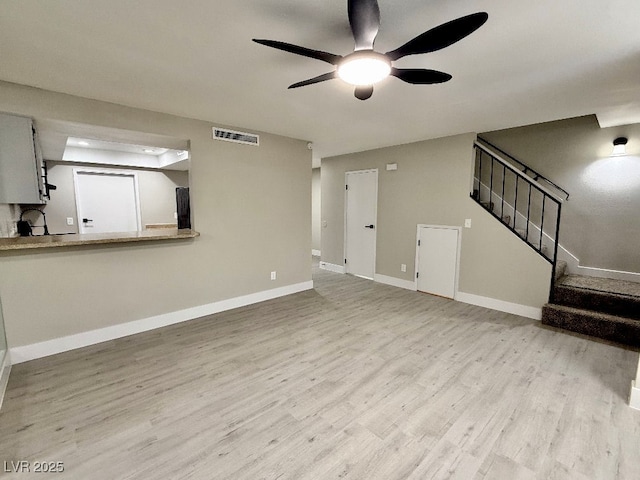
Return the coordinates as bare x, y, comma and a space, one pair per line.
364, 70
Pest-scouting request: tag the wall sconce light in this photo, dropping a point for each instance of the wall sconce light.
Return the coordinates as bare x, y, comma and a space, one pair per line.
619, 146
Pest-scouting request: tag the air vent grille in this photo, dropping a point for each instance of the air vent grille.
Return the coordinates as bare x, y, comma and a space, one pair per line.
236, 137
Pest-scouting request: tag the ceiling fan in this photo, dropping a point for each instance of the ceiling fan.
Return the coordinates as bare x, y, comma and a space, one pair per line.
365, 67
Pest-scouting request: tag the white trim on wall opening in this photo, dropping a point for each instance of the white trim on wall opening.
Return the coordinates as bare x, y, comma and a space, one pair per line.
5, 371
634, 395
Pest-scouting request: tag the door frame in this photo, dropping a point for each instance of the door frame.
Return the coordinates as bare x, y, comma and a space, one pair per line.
458, 250
98, 171
375, 214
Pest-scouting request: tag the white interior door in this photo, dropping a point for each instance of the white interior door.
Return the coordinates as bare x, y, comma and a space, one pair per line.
437, 260
360, 223
107, 202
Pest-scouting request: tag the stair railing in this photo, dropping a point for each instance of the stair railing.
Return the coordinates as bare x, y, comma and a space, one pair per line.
525, 168
527, 208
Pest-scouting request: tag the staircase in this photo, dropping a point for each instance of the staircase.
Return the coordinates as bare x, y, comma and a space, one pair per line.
529, 205
598, 307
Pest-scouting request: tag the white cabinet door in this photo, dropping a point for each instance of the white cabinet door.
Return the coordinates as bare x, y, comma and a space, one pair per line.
438, 260
19, 173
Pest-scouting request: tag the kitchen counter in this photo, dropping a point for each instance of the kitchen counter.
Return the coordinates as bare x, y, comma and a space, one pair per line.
70, 240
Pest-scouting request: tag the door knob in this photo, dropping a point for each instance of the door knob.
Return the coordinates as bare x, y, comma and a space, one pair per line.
370, 226
86, 220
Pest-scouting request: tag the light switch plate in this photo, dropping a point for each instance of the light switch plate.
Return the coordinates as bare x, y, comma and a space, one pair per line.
467, 223
69, 220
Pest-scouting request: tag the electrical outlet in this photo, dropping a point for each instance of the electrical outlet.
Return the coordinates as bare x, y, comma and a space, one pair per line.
69, 220
403, 267
273, 275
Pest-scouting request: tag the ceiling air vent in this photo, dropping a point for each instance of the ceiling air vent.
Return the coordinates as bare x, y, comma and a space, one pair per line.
236, 137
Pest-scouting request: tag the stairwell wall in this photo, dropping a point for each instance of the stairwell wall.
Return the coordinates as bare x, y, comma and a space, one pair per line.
600, 221
432, 186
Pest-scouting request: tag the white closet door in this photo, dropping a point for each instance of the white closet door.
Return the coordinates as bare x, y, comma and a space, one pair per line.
438, 260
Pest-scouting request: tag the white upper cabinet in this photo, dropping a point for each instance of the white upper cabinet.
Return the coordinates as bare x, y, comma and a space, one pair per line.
21, 179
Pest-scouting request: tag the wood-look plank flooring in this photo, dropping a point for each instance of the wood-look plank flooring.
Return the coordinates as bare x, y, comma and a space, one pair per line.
352, 380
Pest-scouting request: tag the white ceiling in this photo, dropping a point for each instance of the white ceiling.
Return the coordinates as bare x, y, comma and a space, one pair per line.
54, 136
531, 62
92, 144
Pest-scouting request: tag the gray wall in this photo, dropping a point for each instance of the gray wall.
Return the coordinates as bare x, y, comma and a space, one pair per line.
315, 209
158, 195
245, 234
600, 222
431, 186
156, 187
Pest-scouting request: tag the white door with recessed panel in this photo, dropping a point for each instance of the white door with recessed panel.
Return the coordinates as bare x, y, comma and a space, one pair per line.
360, 222
437, 260
106, 201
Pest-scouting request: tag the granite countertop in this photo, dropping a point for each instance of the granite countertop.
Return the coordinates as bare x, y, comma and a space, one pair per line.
69, 240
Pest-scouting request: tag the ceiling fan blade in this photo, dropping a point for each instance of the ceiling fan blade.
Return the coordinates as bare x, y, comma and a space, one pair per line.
364, 18
363, 92
420, 76
318, 79
305, 52
441, 36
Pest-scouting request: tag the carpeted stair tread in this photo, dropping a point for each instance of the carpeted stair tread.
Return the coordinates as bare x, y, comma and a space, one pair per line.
620, 287
597, 300
597, 324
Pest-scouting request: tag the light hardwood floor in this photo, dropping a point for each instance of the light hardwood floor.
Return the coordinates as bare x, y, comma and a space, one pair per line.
352, 380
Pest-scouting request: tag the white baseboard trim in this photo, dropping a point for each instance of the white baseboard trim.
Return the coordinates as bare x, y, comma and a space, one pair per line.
634, 397
395, 282
500, 305
332, 267
5, 371
574, 267
606, 273
84, 339
316, 253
